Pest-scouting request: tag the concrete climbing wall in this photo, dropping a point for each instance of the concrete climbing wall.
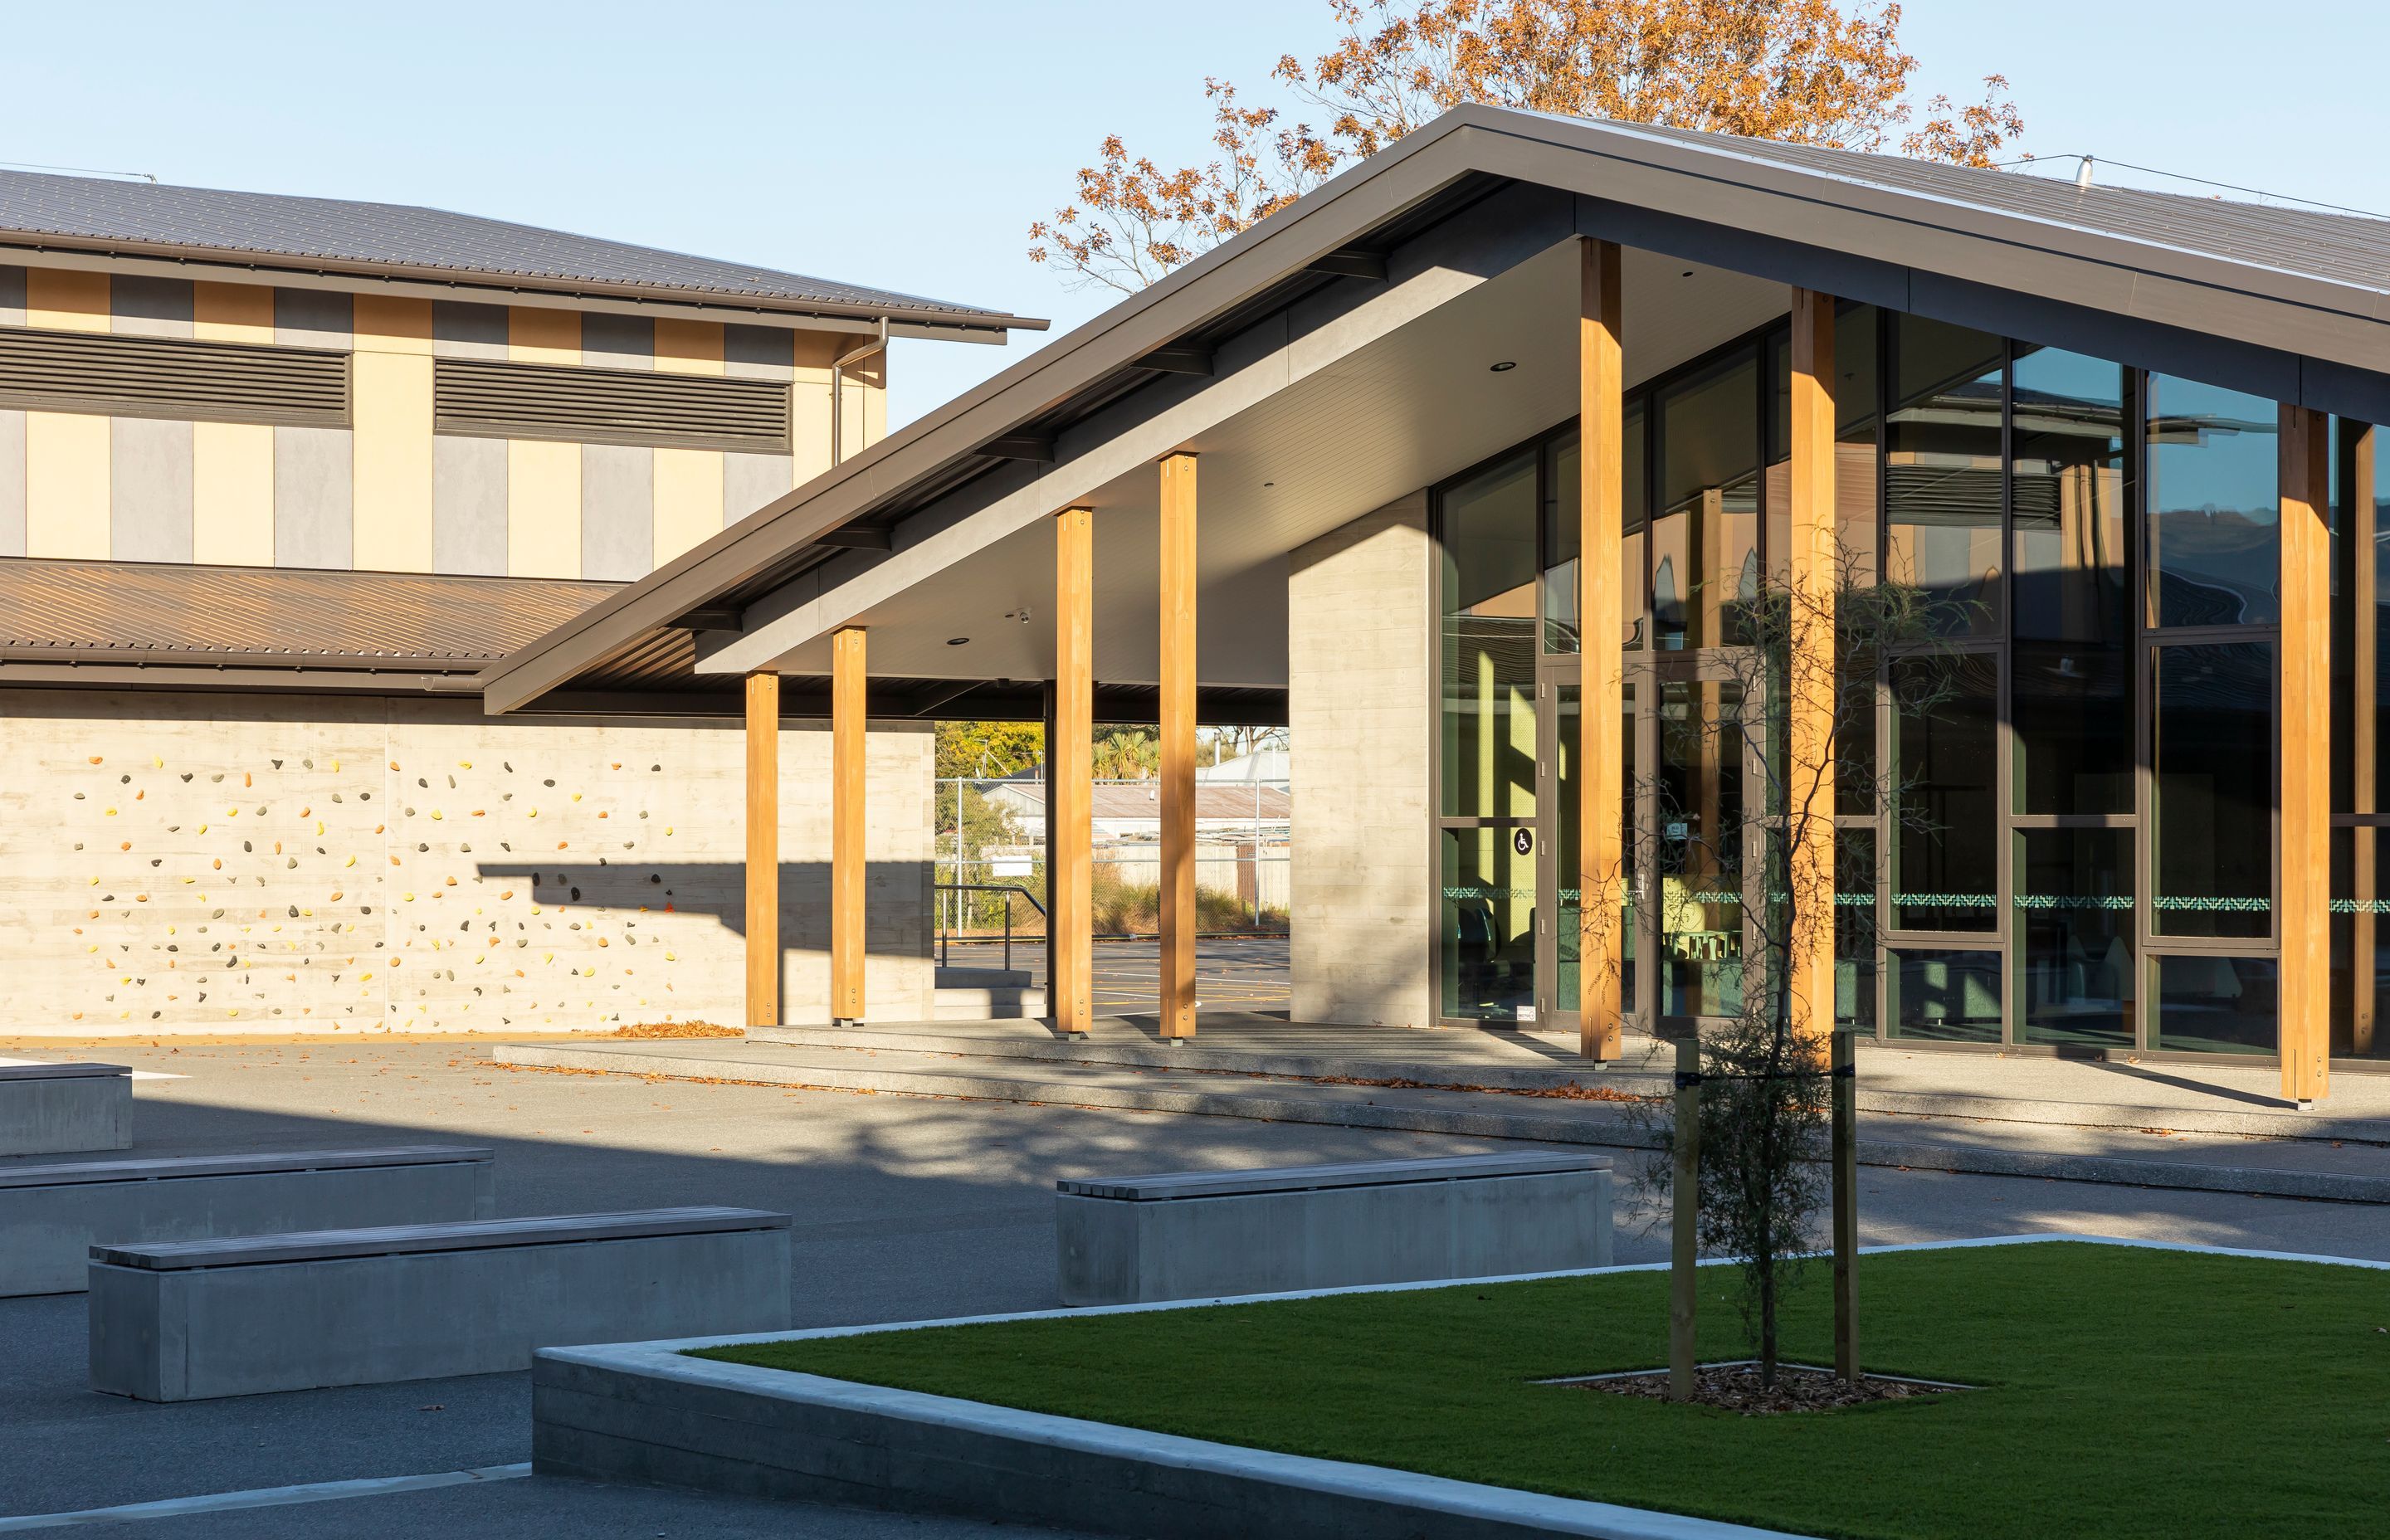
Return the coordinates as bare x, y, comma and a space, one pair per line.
234, 864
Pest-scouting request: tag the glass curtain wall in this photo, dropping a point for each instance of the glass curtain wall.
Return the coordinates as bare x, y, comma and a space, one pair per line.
2081, 851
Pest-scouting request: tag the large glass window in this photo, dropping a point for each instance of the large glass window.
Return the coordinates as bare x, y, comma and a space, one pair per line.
1705, 550
1854, 930
2215, 505
1487, 922
1945, 837
2360, 621
1855, 404
2074, 618
1700, 847
1941, 996
2212, 812
2209, 1004
2075, 936
2361, 946
1489, 643
1941, 468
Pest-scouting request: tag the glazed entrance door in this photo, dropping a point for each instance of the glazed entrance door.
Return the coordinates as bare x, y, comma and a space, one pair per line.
1558, 919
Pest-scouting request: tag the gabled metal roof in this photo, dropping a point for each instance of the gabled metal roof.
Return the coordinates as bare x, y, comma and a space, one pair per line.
95, 212
2291, 303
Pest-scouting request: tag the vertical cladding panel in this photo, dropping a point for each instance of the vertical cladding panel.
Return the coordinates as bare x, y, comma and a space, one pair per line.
757, 352
543, 508
689, 346
540, 336
462, 330
312, 492
809, 401
12, 482
390, 397
469, 505
66, 485
688, 499
232, 463
232, 493
149, 479
618, 341
618, 511
751, 481
348, 865
1358, 710
12, 428
314, 318
142, 306
66, 300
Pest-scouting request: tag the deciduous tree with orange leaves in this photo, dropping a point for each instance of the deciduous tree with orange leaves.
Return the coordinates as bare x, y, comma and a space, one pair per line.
1807, 72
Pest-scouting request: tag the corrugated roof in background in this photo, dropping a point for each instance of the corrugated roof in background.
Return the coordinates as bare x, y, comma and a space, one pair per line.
96, 210
92, 612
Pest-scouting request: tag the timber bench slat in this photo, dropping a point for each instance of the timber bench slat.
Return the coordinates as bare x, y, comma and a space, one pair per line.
172, 1167
63, 1072
473, 1235
1167, 1186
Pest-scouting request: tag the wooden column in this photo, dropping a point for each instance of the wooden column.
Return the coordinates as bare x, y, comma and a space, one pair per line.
1808, 684
1177, 716
2304, 916
1601, 791
762, 850
1069, 766
849, 865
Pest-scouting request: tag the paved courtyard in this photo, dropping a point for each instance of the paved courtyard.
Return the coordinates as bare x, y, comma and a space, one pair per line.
905, 1207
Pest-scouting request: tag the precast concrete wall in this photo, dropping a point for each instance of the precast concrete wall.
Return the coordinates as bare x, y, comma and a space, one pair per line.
188, 863
1359, 675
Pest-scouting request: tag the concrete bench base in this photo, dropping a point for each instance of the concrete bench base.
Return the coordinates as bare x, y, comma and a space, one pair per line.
51, 1215
361, 1307
1194, 1235
63, 1108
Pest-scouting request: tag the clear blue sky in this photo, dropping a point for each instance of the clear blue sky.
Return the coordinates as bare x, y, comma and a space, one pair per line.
907, 143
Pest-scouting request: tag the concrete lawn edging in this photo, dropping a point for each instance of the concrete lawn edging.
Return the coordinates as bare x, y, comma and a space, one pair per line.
647, 1413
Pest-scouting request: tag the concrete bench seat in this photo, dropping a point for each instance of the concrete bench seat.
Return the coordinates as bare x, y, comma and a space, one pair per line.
188, 1320
61, 1109
51, 1213
1194, 1235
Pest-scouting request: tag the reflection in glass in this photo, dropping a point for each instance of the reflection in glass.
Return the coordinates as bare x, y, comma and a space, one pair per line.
1705, 550
1701, 855
2214, 510
2209, 1004
1854, 378
1946, 997
2074, 620
2075, 936
2212, 803
1489, 643
1854, 926
1487, 923
1945, 843
2360, 619
1563, 540
2361, 946
1568, 871
1941, 468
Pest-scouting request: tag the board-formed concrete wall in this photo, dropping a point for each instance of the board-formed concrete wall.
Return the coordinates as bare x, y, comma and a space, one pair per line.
229, 864
1359, 670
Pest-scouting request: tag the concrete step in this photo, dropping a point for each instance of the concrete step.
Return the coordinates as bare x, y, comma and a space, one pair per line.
2259, 1167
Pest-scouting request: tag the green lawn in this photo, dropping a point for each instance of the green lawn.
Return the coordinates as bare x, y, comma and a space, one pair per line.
2126, 1391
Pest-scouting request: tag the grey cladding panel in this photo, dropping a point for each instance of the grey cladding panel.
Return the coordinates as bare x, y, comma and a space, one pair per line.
149, 490
758, 352
469, 505
462, 330
12, 482
751, 481
140, 306
618, 341
313, 497
12, 295
618, 511
314, 317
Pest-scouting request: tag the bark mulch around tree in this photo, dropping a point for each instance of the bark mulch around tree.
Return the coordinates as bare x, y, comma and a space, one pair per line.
1736, 1388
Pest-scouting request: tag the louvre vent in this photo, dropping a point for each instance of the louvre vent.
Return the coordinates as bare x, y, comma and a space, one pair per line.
482, 399
172, 376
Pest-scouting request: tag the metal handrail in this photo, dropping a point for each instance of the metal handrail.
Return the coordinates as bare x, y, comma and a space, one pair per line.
946, 936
